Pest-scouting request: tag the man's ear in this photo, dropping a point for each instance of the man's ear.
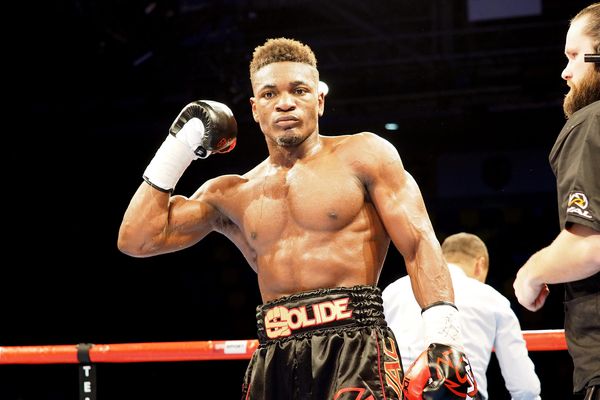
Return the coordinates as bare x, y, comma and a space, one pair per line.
321, 103
480, 271
253, 105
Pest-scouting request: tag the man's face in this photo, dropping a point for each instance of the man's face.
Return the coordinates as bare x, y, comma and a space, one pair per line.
583, 79
286, 102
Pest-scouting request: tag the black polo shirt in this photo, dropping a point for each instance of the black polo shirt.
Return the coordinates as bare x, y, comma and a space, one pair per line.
575, 160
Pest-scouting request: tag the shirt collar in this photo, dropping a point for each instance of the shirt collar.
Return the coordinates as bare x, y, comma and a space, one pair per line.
456, 270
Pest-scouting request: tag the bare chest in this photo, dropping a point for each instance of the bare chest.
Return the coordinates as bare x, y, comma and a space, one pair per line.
302, 201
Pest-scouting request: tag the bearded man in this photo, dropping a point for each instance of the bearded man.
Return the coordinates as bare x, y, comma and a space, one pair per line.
573, 258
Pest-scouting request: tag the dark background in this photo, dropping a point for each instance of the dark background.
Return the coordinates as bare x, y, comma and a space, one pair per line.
477, 99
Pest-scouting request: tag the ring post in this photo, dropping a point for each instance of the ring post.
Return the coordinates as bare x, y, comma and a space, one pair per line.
87, 372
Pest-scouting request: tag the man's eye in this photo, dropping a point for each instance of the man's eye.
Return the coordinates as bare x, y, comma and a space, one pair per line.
300, 91
268, 95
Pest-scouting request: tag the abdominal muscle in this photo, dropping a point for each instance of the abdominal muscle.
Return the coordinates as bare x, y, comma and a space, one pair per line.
307, 260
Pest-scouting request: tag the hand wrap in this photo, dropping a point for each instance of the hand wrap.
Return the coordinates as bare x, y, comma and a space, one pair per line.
203, 127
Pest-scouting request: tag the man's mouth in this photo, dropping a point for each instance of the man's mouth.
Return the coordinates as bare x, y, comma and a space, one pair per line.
286, 122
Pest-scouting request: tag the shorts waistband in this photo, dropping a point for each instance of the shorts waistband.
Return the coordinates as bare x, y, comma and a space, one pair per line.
319, 309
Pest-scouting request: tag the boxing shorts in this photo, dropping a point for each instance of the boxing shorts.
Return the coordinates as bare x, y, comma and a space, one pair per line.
325, 344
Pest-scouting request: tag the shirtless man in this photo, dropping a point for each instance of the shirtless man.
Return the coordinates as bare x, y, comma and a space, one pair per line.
314, 220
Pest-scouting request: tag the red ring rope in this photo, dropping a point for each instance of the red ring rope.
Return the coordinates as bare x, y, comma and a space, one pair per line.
542, 340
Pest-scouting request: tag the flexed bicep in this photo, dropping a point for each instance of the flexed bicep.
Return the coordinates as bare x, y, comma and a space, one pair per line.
156, 223
188, 221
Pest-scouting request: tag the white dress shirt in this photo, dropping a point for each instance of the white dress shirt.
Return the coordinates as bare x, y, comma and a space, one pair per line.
487, 322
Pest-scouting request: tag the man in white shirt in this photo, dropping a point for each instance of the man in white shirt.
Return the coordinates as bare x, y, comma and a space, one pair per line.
487, 320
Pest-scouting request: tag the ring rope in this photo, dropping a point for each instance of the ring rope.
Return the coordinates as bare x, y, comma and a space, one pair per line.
536, 340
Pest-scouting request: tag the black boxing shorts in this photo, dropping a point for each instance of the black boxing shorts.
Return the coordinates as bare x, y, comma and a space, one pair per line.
326, 344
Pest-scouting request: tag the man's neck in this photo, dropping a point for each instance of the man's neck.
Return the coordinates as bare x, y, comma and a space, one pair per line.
287, 156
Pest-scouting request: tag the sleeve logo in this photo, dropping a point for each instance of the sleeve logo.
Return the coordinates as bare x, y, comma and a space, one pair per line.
578, 205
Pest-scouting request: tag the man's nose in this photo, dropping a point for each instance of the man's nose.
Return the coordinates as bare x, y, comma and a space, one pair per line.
566, 73
285, 102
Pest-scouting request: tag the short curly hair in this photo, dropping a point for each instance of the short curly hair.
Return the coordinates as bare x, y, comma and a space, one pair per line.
280, 50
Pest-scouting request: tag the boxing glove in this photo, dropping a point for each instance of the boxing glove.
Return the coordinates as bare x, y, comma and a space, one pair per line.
202, 127
207, 127
440, 372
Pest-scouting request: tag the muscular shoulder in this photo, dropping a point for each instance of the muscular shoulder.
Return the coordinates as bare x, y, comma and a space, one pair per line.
224, 197
229, 187
362, 142
368, 153
222, 184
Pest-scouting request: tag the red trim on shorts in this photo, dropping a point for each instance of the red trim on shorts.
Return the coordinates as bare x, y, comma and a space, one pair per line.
379, 368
